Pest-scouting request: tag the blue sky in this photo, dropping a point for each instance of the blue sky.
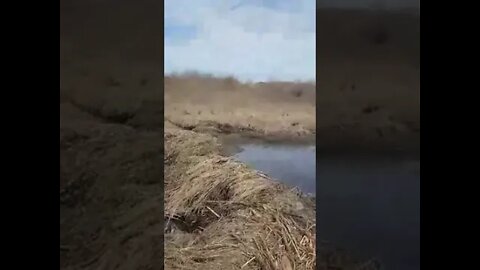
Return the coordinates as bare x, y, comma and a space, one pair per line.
255, 40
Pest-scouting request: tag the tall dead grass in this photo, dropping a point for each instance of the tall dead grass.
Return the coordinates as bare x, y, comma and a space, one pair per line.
232, 216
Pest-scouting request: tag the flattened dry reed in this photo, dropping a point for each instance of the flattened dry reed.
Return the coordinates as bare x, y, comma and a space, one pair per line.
242, 220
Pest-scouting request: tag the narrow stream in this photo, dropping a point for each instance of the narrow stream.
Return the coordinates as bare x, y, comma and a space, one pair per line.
367, 204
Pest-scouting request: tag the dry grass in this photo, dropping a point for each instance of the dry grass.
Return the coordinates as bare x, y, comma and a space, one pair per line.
225, 104
233, 217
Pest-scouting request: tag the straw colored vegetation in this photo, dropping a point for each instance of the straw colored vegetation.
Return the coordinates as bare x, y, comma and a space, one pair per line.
227, 216
225, 105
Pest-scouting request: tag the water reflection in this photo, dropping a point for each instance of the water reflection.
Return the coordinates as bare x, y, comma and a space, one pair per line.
293, 165
367, 204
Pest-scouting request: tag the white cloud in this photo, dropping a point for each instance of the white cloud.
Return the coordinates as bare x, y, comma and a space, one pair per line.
250, 42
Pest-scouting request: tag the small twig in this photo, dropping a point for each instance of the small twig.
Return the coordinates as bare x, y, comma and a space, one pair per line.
211, 210
249, 261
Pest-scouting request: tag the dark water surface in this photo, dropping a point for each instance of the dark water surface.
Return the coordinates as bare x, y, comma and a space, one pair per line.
293, 165
366, 204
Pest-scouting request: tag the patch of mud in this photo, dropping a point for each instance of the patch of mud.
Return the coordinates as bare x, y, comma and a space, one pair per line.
384, 137
236, 134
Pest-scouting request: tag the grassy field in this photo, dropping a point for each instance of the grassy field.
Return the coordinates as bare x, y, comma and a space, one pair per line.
224, 105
